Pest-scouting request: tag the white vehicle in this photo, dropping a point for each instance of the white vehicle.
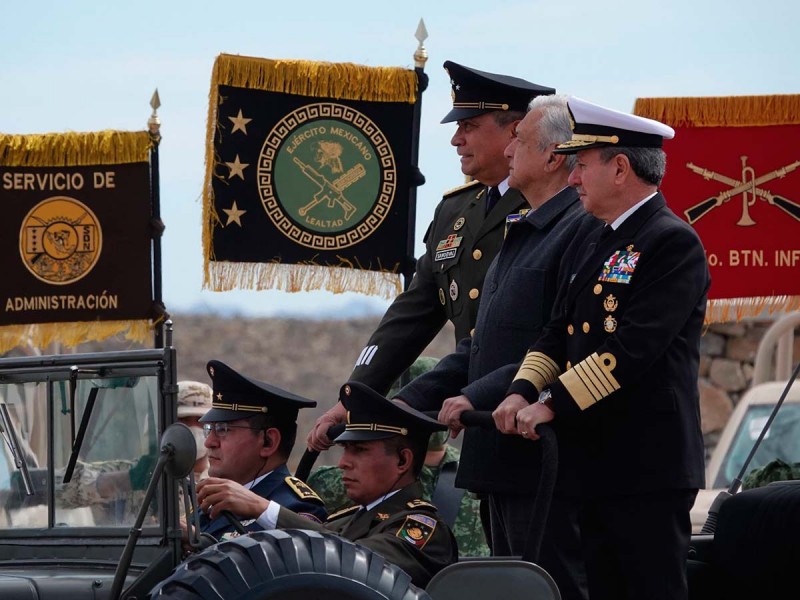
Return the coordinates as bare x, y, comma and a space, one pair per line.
782, 439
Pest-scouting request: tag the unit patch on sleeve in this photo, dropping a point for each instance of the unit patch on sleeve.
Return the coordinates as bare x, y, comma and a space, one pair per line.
619, 267
417, 530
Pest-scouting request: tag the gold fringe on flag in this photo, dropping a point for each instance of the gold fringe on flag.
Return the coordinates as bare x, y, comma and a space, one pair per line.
346, 81
723, 310
74, 149
307, 78
71, 334
67, 150
722, 111
301, 278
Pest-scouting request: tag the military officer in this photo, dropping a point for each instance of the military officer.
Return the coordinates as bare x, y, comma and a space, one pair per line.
519, 293
384, 448
459, 509
616, 367
250, 431
461, 241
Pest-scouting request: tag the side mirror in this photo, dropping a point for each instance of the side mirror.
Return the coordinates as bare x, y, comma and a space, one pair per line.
181, 450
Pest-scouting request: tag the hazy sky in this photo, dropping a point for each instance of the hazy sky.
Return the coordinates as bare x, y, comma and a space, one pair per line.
87, 66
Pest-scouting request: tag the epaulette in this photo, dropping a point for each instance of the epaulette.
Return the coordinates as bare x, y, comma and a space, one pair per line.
343, 513
461, 188
420, 504
303, 491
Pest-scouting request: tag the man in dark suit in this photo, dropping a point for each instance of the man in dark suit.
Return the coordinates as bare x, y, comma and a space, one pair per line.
384, 450
518, 297
616, 367
250, 431
461, 241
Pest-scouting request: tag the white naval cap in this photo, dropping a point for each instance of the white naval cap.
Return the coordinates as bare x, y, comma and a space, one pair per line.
594, 126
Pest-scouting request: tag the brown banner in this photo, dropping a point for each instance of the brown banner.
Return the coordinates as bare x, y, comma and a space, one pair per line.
76, 239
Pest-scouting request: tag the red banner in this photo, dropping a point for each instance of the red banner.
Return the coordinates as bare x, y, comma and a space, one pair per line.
733, 173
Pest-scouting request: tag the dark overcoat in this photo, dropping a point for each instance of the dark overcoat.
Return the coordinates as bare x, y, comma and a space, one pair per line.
519, 292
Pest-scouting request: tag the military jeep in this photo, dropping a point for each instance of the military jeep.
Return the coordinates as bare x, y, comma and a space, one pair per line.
81, 440
90, 474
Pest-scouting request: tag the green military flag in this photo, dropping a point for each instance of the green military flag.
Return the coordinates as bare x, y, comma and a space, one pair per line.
309, 167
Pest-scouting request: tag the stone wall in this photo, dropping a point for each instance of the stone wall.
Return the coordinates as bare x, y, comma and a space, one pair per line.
727, 355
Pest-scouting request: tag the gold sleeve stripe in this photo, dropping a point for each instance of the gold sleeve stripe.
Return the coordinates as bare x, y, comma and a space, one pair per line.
539, 369
591, 380
605, 382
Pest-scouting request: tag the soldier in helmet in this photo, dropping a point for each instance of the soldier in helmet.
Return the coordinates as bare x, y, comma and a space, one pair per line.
384, 448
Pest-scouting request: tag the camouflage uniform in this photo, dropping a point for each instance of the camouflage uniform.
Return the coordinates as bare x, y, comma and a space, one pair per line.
82, 491
327, 482
777, 470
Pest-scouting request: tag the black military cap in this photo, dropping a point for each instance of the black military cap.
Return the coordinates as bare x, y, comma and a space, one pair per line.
240, 397
594, 126
476, 92
371, 416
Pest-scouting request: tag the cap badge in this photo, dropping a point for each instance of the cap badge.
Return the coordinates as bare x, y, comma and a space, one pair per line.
347, 390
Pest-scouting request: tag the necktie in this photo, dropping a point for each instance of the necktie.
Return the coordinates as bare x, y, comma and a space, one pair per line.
607, 231
491, 198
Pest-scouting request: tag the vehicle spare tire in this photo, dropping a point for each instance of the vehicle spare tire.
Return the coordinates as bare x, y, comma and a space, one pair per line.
291, 564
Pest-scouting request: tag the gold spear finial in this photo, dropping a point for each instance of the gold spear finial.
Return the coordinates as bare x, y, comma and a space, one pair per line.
154, 123
421, 54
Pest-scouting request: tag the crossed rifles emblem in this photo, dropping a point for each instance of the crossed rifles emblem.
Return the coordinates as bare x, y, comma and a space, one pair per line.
747, 186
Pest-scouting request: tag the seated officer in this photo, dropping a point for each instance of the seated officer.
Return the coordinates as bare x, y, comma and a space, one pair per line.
384, 448
457, 507
250, 431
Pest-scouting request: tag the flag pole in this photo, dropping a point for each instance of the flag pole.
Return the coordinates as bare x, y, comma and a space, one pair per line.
417, 178
157, 226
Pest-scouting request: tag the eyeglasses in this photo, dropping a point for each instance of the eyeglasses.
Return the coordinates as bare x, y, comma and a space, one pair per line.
221, 429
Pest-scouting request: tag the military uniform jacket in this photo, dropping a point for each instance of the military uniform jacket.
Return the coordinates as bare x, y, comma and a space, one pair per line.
285, 490
519, 292
621, 356
460, 243
404, 529
327, 482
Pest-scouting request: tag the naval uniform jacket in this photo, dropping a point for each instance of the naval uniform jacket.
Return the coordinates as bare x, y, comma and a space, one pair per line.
280, 486
519, 292
404, 529
460, 244
621, 356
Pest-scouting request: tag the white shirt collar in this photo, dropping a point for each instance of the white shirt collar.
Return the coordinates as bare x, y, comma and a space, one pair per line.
621, 219
251, 484
503, 186
375, 503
